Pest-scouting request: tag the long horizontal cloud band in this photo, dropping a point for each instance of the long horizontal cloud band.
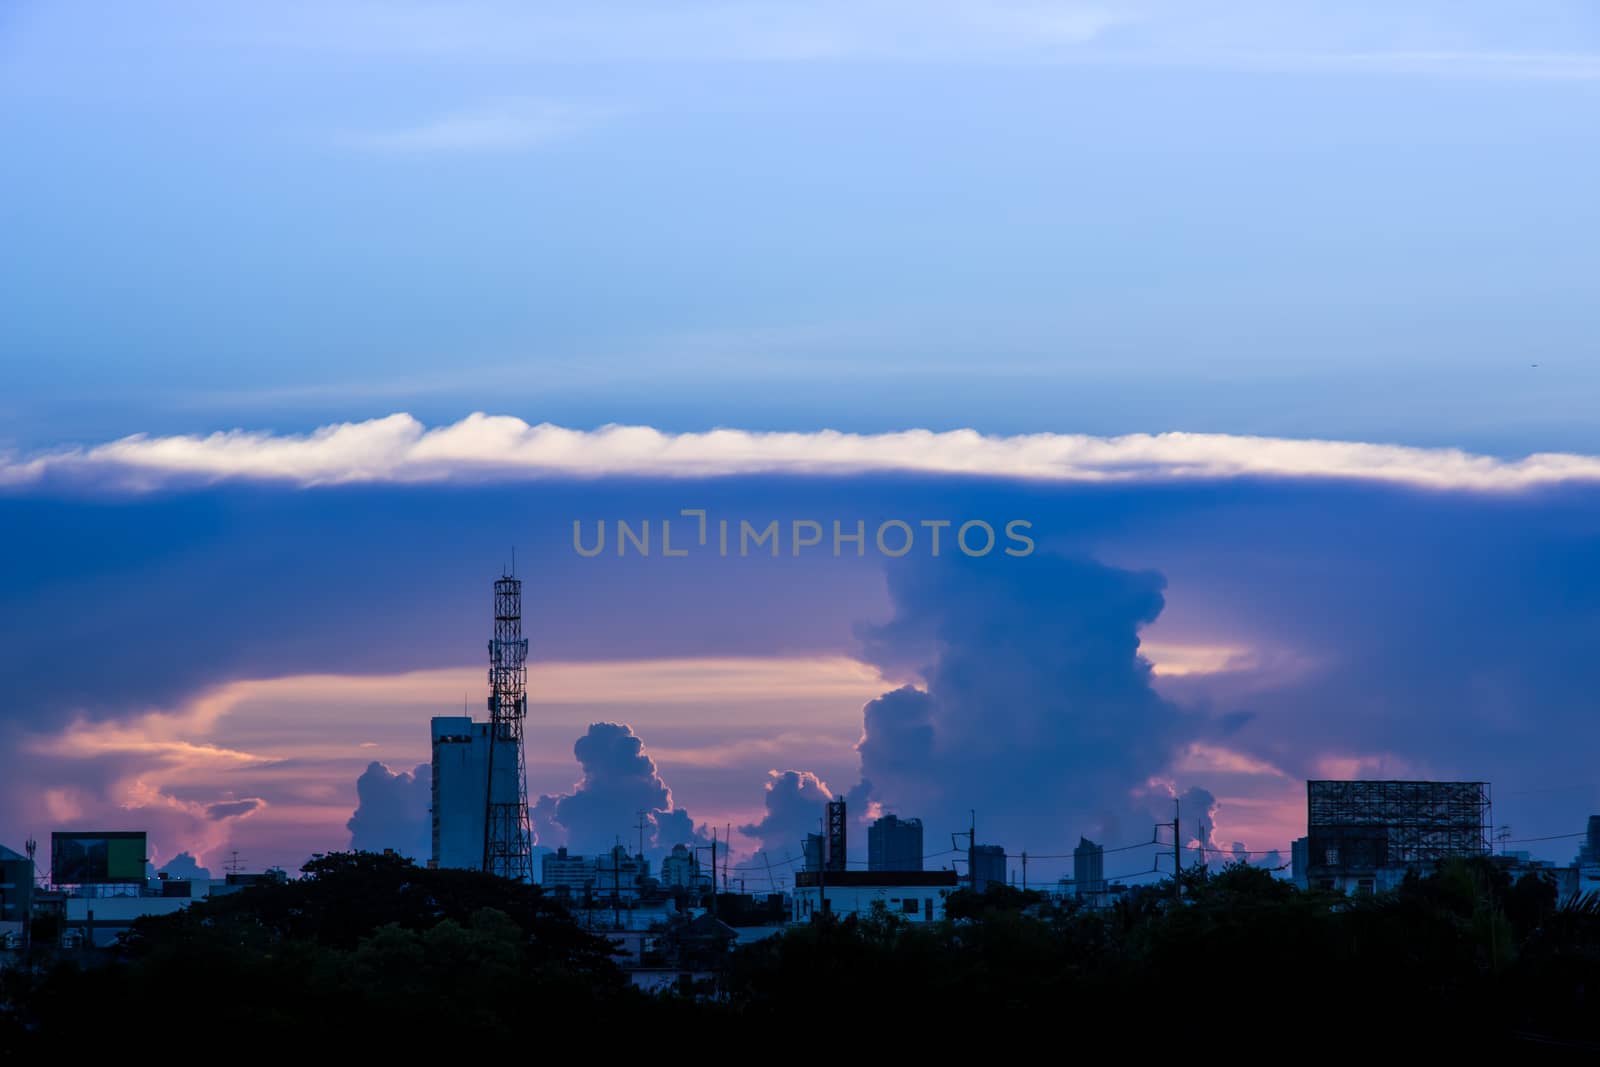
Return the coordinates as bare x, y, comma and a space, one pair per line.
400, 449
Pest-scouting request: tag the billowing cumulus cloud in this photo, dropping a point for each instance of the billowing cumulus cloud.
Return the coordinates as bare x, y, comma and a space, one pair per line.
792, 808
184, 866
620, 784
392, 811
400, 449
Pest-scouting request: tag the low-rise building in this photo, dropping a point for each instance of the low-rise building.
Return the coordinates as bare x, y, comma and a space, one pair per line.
598, 878
563, 871
916, 896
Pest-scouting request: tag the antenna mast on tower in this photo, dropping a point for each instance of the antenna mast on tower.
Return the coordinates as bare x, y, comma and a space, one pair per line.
507, 838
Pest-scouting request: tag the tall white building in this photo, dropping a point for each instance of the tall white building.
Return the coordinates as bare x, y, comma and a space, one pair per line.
460, 788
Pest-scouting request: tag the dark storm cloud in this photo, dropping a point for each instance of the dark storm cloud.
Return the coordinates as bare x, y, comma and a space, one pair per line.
1449, 632
392, 811
118, 605
1038, 711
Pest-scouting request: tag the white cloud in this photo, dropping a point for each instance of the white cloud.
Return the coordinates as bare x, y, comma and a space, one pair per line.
696, 31
400, 449
500, 127
1446, 38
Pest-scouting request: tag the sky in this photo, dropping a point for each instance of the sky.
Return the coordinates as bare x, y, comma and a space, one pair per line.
1273, 321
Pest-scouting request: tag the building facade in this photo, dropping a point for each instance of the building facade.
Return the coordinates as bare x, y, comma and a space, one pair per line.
1363, 836
894, 844
460, 788
16, 886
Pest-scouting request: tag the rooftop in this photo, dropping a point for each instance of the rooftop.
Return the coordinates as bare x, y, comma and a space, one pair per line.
872, 879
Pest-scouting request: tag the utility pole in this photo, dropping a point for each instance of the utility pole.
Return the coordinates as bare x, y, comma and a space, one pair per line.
643, 812
31, 846
972, 852
972, 838
616, 889
695, 875
822, 865
1177, 854
1024, 870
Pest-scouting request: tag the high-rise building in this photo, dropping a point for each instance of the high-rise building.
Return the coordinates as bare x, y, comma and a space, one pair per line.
811, 852
988, 867
460, 783
894, 844
1089, 870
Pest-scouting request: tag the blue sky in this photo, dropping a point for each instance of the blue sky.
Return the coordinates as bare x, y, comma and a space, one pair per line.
1302, 220
1338, 260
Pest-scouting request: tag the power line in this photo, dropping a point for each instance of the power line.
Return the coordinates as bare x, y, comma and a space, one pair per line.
1552, 837
950, 851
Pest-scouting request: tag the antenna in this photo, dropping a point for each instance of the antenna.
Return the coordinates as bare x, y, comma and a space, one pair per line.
507, 834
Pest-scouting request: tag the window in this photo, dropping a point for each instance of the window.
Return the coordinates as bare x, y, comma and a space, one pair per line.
1330, 856
1363, 885
910, 907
